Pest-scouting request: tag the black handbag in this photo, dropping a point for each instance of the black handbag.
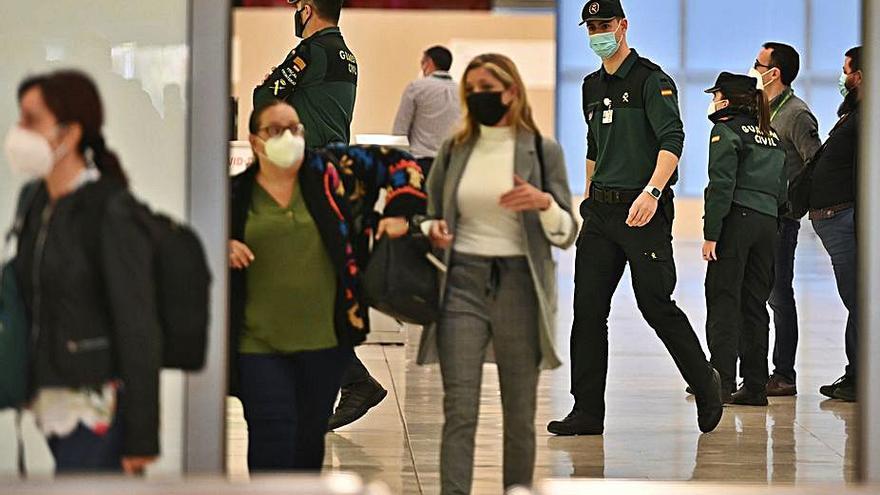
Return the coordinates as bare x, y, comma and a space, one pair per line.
401, 280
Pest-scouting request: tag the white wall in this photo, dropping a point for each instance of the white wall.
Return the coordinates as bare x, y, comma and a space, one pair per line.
389, 46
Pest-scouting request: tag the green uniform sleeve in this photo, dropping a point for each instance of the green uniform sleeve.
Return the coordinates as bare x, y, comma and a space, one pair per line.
724, 147
592, 150
303, 67
661, 106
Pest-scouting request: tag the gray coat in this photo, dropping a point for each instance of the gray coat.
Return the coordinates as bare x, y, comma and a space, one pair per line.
442, 188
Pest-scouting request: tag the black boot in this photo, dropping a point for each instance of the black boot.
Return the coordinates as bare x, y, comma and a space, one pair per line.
355, 401
576, 423
710, 406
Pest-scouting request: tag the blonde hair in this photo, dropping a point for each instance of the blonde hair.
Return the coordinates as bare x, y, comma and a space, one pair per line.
503, 69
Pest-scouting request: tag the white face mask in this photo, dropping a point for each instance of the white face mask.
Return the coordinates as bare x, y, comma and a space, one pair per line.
753, 72
29, 153
286, 150
713, 107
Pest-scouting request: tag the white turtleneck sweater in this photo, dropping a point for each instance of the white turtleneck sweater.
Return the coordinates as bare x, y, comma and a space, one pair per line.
484, 227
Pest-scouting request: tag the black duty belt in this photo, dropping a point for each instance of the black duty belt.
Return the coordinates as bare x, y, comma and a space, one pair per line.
830, 212
613, 196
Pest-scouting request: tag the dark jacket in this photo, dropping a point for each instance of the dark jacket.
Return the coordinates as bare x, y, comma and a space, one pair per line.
836, 173
746, 168
91, 299
340, 185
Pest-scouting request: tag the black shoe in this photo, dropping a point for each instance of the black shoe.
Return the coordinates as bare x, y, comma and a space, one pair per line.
846, 382
576, 423
746, 397
355, 401
846, 391
710, 406
726, 397
778, 386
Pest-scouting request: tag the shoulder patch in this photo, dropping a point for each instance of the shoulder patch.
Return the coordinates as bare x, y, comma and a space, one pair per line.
299, 64
715, 139
666, 92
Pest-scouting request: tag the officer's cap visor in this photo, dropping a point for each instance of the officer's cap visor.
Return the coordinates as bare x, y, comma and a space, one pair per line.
713, 89
597, 19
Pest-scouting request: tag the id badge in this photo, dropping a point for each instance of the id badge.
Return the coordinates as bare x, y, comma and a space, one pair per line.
607, 116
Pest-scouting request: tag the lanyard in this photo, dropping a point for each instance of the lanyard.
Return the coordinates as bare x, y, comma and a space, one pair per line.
782, 104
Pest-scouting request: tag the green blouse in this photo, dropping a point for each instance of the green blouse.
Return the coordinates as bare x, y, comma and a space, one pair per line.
291, 284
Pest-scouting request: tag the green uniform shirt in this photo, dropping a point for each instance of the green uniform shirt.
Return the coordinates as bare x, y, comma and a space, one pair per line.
631, 116
319, 79
746, 168
291, 285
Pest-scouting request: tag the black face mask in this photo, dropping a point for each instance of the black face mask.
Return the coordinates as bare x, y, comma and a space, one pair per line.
487, 107
299, 25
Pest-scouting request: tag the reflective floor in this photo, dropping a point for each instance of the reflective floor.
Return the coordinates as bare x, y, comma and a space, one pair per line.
651, 430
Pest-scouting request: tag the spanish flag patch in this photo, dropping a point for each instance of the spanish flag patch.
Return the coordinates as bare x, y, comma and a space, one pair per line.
715, 139
299, 63
666, 92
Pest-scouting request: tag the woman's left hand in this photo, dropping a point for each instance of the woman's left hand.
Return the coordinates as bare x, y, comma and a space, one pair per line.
393, 227
525, 197
709, 253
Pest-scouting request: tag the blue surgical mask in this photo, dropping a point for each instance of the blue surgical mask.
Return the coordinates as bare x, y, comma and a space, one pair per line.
841, 84
605, 44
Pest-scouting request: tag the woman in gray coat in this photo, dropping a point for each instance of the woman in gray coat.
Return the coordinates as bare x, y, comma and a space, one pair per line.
496, 212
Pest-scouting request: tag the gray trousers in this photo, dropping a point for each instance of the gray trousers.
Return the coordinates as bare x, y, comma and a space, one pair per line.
488, 300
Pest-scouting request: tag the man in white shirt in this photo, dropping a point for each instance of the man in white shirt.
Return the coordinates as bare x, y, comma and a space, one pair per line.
429, 107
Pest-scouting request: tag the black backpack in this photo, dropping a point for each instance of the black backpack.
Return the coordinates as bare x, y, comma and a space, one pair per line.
183, 285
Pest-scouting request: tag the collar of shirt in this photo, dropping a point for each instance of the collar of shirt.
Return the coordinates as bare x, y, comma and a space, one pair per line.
624, 68
441, 74
780, 100
326, 31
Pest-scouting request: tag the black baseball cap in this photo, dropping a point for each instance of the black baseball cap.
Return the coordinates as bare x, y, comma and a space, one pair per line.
736, 83
601, 10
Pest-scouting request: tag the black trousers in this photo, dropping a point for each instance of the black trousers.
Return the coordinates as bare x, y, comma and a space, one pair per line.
606, 244
738, 286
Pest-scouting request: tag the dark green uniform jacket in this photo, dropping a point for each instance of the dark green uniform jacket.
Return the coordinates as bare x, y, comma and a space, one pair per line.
319, 78
746, 168
631, 115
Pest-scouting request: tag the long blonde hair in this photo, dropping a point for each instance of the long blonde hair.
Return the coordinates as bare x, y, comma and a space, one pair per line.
503, 69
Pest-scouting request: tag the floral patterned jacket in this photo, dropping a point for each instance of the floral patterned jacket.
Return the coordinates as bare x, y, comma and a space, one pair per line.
340, 185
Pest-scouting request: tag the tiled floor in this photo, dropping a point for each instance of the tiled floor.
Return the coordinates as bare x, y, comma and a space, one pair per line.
651, 430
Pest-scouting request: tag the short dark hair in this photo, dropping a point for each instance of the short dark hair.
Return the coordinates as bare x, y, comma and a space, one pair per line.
786, 59
855, 54
259, 110
441, 56
329, 10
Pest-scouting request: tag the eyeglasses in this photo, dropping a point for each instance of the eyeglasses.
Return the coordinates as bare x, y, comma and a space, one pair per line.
276, 130
759, 65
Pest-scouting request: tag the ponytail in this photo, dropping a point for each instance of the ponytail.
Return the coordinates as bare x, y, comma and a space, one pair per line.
106, 160
763, 113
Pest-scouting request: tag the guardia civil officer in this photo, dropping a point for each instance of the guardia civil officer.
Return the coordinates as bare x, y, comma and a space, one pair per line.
319, 77
635, 139
747, 190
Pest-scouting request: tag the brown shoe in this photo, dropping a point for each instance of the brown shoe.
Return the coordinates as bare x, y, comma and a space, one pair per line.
780, 387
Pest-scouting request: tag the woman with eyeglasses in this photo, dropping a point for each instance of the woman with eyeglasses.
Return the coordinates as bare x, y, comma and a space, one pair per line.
498, 202
301, 222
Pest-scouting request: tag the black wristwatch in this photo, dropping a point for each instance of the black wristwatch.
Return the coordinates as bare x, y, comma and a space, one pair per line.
654, 192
